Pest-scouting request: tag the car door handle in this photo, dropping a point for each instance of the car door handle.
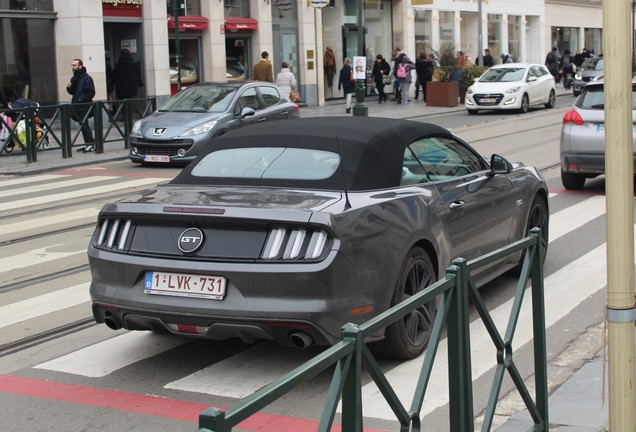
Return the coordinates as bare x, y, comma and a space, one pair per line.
455, 205
262, 119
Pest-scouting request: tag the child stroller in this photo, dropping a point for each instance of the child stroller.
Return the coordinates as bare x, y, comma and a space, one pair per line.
19, 132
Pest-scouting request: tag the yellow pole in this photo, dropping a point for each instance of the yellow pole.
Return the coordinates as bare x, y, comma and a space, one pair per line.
620, 219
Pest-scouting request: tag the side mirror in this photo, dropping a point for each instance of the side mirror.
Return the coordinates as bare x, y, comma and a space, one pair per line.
247, 111
499, 165
531, 78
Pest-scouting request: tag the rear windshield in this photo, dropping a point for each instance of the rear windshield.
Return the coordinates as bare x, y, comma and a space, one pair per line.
593, 97
268, 163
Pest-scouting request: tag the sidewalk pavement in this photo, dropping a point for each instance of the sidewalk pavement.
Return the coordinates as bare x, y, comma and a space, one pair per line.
575, 406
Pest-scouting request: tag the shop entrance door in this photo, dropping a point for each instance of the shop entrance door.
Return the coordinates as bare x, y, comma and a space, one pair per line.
237, 55
118, 36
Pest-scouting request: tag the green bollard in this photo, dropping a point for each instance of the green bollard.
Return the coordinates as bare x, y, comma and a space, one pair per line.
360, 109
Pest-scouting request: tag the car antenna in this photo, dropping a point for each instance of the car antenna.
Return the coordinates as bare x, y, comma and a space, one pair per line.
344, 183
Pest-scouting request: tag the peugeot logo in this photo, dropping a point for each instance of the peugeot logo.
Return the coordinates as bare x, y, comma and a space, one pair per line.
158, 131
190, 240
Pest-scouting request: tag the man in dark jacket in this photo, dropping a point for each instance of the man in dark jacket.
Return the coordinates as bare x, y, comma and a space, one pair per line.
127, 76
82, 88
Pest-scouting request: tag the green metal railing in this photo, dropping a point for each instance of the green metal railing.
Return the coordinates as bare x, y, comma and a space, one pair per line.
51, 127
351, 353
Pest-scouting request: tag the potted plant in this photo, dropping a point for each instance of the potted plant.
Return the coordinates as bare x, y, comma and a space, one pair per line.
443, 90
468, 75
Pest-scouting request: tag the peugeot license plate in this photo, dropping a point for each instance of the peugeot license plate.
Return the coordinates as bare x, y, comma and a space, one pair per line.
185, 285
157, 158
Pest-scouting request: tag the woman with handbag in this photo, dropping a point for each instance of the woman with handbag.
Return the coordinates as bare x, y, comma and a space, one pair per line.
286, 81
381, 73
347, 83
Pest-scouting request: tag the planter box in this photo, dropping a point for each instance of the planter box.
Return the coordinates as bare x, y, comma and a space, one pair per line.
442, 94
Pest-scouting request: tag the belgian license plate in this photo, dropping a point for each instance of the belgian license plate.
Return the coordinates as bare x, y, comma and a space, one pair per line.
185, 285
600, 127
157, 158
488, 100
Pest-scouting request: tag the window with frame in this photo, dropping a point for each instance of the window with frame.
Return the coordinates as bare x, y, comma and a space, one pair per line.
270, 95
248, 99
436, 159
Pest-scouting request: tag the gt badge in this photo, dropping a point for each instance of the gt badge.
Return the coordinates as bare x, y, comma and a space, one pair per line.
190, 240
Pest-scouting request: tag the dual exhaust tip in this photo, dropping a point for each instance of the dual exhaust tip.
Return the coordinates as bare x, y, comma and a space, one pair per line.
298, 339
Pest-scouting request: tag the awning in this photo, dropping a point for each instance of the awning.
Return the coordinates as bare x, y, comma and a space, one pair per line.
240, 24
189, 23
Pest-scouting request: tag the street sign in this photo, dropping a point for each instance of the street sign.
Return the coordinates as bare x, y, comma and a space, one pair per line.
319, 3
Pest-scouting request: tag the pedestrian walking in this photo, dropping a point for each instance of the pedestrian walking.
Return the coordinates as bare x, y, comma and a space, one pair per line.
567, 69
286, 80
402, 72
263, 70
127, 76
346, 83
552, 63
424, 69
381, 73
82, 89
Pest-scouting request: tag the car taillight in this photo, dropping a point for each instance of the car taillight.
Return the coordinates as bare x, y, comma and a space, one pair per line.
572, 117
296, 244
113, 233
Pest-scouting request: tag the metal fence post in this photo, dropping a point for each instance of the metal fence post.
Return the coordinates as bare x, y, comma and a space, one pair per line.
352, 390
99, 126
65, 125
538, 323
30, 134
459, 358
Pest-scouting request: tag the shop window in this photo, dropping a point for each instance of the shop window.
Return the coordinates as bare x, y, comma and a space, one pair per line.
514, 37
446, 28
192, 7
494, 35
594, 40
20, 75
423, 36
237, 8
566, 38
28, 5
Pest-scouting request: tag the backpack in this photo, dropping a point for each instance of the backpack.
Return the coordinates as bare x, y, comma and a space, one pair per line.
401, 72
567, 63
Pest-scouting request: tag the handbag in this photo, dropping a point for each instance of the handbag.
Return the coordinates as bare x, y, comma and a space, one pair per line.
386, 79
351, 77
294, 96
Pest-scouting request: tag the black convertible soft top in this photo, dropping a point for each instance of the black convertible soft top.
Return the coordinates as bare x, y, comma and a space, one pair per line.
371, 149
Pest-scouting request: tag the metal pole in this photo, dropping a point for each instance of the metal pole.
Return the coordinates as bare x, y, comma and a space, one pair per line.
480, 35
621, 307
360, 109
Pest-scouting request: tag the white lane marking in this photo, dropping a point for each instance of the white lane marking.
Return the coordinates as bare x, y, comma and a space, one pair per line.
577, 215
41, 222
34, 258
222, 378
569, 286
19, 181
43, 304
108, 356
53, 186
12, 205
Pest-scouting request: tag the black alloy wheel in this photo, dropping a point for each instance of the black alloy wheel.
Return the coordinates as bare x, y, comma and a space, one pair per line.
525, 104
551, 100
407, 338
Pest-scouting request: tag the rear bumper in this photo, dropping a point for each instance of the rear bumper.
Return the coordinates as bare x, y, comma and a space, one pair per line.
584, 163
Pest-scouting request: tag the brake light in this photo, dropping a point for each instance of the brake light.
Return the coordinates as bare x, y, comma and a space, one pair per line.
572, 117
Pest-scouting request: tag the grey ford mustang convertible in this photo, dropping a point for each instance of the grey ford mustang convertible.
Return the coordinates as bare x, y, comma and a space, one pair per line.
288, 230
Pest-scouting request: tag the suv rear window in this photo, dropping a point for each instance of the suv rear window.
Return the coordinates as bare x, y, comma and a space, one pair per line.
593, 97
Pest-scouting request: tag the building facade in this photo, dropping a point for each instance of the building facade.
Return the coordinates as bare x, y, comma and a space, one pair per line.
223, 39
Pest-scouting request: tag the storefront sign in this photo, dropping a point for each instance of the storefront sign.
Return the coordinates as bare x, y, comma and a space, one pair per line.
189, 23
421, 2
240, 24
122, 8
319, 3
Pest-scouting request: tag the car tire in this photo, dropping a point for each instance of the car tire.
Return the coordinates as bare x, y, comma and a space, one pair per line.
407, 338
572, 181
537, 217
525, 104
551, 100
472, 112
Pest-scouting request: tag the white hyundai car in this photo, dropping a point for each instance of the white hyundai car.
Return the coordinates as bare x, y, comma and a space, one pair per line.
511, 86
